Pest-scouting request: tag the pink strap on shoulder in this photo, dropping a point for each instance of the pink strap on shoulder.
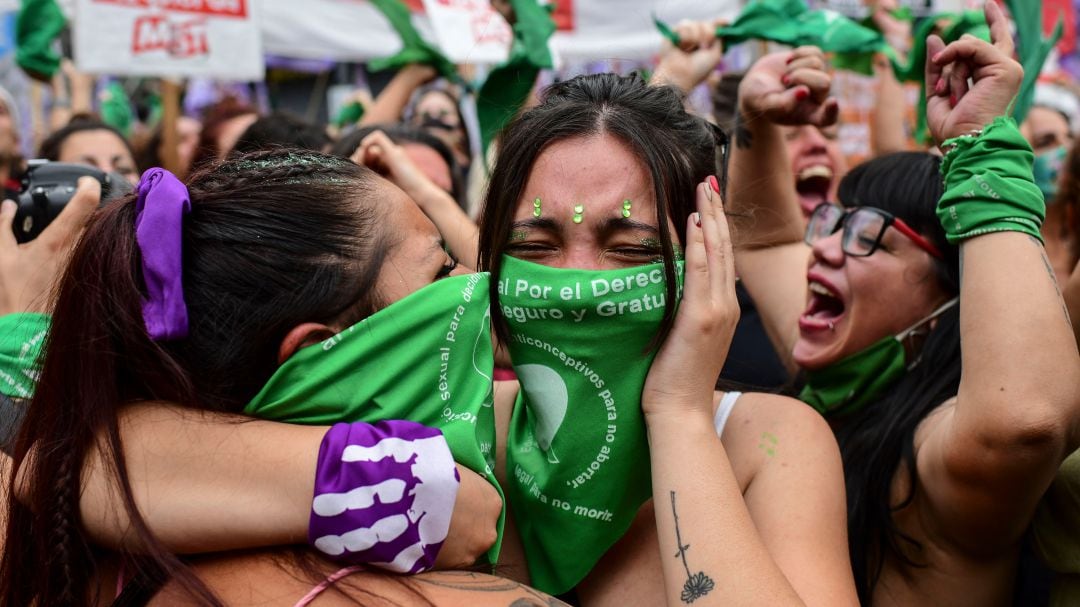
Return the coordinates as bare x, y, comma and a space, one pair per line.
316, 591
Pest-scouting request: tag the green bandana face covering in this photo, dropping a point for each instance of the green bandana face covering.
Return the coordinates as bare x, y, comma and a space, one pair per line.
577, 452
850, 384
1045, 170
426, 358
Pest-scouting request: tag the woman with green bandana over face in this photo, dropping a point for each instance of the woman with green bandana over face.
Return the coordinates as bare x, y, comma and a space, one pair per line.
952, 420
607, 181
580, 234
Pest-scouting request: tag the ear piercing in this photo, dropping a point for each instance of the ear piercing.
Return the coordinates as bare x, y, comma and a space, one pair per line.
626, 208
536, 207
578, 210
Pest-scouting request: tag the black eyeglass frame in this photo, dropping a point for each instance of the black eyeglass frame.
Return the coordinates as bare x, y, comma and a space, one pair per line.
889, 220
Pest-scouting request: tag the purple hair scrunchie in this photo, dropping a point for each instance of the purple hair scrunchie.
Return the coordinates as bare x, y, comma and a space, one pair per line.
159, 215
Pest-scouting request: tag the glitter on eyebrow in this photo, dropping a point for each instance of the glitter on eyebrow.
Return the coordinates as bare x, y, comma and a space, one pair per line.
518, 235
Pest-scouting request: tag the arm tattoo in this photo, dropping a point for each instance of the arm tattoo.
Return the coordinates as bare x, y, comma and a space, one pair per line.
743, 137
697, 584
1053, 278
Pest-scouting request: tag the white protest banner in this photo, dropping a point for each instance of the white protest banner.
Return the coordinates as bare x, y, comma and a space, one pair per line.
469, 31
210, 38
353, 30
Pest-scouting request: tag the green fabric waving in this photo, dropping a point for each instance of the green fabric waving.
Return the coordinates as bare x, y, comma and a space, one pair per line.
577, 453
791, 22
426, 358
508, 85
37, 26
21, 338
414, 48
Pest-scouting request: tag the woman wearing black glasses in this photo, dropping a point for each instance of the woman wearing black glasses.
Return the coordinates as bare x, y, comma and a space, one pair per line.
947, 449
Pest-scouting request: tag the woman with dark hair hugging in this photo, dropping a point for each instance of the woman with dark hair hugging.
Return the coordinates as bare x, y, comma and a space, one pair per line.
604, 208
925, 319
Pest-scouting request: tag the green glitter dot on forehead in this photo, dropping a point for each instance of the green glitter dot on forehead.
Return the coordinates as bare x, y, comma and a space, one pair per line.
578, 210
536, 207
626, 208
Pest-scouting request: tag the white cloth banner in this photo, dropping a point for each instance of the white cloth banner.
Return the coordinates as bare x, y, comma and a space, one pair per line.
353, 30
469, 31
213, 38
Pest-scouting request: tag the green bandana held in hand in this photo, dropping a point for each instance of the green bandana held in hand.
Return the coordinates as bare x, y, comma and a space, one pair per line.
414, 49
791, 22
426, 358
21, 338
848, 385
577, 450
989, 185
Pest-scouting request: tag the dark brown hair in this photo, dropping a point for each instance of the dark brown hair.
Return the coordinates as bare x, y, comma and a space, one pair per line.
272, 240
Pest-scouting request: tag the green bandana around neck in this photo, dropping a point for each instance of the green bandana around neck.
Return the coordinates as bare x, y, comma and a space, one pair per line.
577, 453
848, 385
426, 358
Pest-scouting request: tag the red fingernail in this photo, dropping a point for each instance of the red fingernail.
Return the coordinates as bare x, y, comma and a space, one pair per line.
785, 79
697, 219
953, 100
714, 183
790, 58
801, 94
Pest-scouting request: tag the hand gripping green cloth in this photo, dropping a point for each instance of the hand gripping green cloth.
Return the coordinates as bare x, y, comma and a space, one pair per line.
21, 338
989, 185
414, 49
426, 358
791, 22
577, 453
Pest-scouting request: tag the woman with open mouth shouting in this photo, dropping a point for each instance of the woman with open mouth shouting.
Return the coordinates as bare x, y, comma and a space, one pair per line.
947, 449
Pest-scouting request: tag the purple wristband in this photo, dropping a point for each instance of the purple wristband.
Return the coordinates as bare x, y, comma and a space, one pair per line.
384, 494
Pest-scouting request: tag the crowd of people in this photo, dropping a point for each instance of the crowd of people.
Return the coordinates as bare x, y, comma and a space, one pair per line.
634, 355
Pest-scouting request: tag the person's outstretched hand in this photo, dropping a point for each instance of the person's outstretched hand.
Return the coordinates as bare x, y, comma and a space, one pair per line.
789, 88
29, 271
953, 107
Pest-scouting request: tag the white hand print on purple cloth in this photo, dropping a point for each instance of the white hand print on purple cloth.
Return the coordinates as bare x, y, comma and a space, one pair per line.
384, 494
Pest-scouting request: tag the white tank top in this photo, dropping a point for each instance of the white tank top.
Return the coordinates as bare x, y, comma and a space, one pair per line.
727, 403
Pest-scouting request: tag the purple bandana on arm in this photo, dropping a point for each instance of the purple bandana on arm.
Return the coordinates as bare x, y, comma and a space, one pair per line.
159, 214
384, 494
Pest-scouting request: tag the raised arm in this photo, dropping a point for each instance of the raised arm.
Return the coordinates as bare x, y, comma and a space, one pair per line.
985, 462
382, 155
716, 546
389, 105
782, 88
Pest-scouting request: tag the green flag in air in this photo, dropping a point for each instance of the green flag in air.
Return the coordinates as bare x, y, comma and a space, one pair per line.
577, 454
414, 48
37, 26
